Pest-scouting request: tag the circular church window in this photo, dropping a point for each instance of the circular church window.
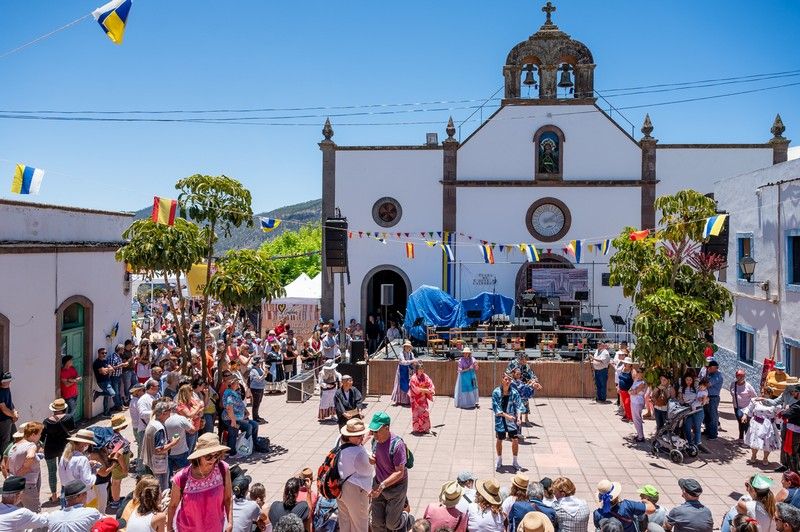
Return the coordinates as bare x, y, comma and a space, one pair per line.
387, 212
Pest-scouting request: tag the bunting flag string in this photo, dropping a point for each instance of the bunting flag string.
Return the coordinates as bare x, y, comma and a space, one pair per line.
409, 250
605, 245
530, 252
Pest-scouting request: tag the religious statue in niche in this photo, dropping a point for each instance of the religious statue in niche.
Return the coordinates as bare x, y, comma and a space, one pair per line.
548, 153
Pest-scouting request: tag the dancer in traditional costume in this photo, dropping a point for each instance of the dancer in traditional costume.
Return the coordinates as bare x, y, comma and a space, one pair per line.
329, 382
403, 376
466, 393
761, 434
421, 393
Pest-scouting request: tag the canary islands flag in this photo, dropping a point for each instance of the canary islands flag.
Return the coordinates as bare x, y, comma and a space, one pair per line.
530, 252
269, 224
714, 225
604, 245
27, 180
448, 251
164, 210
112, 17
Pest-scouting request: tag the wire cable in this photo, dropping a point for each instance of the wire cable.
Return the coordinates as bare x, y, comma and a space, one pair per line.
43, 37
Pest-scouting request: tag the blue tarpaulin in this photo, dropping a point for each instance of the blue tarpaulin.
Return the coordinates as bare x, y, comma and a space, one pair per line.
437, 308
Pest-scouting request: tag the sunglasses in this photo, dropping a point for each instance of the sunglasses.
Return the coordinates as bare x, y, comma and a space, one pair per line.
211, 457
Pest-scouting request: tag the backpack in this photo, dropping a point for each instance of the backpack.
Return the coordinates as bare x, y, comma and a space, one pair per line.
329, 482
325, 515
392, 447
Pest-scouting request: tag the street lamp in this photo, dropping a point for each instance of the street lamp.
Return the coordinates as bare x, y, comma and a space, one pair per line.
748, 266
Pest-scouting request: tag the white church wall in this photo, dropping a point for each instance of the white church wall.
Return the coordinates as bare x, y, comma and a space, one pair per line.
41, 223
594, 146
699, 168
412, 178
33, 287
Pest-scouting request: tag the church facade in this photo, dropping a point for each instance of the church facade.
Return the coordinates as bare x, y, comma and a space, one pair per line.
545, 169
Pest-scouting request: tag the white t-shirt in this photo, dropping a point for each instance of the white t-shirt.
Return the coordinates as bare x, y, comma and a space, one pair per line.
601, 359
14, 518
480, 521
245, 513
354, 463
178, 424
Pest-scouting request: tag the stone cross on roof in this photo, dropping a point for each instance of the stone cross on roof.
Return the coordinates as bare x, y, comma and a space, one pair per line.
548, 9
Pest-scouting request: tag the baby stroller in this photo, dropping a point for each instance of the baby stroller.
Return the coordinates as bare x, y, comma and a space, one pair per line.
670, 437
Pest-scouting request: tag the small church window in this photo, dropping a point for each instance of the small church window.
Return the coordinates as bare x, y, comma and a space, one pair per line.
387, 212
548, 149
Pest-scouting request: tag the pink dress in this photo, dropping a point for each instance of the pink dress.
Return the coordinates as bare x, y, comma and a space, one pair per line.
421, 390
202, 504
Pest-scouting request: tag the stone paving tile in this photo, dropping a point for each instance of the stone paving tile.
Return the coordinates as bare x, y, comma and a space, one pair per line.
573, 437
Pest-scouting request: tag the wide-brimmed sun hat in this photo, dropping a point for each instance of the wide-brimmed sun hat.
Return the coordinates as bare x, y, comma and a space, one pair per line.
467, 350
627, 360
489, 490
520, 481
606, 486
118, 422
58, 405
354, 427
207, 444
83, 436
408, 343
535, 522
450, 494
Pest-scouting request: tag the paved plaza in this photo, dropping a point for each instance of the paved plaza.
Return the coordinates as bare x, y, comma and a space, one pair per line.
571, 437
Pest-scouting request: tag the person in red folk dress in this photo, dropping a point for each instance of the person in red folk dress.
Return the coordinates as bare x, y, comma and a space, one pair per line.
421, 393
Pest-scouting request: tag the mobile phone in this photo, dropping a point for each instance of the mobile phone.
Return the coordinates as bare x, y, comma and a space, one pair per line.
175, 436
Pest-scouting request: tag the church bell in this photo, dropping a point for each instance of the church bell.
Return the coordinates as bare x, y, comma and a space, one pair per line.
565, 82
529, 79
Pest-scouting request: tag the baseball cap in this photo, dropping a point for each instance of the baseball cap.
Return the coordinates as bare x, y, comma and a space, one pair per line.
466, 476
380, 419
107, 524
649, 491
690, 486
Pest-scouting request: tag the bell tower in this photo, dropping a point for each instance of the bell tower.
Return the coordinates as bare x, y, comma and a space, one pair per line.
548, 66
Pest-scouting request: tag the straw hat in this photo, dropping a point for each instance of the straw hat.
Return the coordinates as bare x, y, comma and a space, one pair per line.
118, 422
606, 486
329, 365
520, 481
58, 405
83, 436
450, 494
20, 431
466, 349
627, 360
489, 490
354, 427
407, 343
207, 444
535, 522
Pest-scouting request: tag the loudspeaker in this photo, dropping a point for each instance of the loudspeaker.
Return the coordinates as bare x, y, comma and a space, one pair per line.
718, 244
300, 387
581, 295
356, 351
336, 244
359, 374
387, 295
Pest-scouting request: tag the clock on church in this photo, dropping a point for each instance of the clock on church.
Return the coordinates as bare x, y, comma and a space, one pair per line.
548, 219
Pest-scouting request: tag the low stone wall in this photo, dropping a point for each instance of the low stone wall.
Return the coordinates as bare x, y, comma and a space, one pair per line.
729, 363
558, 379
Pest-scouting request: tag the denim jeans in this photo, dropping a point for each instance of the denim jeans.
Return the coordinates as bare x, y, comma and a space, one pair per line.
248, 426
72, 404
191, 440
711, 415
107, 391
176, 462
661, 418
208, 423
601, 384
691, 427
52, 474
128, 380
115, 385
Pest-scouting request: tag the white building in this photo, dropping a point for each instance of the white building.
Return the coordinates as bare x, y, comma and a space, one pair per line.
62, 292
542, 170
764, 223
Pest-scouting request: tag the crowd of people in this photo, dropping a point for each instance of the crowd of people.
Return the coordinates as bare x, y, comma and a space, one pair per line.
191, 425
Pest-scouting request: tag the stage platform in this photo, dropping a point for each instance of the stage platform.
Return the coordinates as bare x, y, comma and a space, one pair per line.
491, 354
559, 378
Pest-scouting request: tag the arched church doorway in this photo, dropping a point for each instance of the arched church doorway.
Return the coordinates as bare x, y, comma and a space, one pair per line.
74, 337
371, 294
537, 276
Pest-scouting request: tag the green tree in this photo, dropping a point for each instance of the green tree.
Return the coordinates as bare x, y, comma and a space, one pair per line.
673, 284
302, 247
220, 202
244, 278
166, 250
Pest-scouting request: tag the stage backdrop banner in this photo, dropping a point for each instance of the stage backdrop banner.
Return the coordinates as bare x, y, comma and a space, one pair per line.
301, 316
558, 282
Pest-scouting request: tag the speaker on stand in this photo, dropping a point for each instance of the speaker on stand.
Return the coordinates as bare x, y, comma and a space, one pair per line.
358, 372
357, 351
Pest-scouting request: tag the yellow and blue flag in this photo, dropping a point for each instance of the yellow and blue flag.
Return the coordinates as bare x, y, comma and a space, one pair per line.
270, 224
714, 225
604, 245
449, 252
112, 17
530, 252
27, 180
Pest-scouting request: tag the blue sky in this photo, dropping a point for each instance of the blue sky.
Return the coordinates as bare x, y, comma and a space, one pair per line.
248, 54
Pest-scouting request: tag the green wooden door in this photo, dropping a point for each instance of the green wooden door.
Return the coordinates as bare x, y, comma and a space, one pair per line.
72, 344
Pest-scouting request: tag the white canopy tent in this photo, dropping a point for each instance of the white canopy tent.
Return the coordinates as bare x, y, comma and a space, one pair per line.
302, 291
